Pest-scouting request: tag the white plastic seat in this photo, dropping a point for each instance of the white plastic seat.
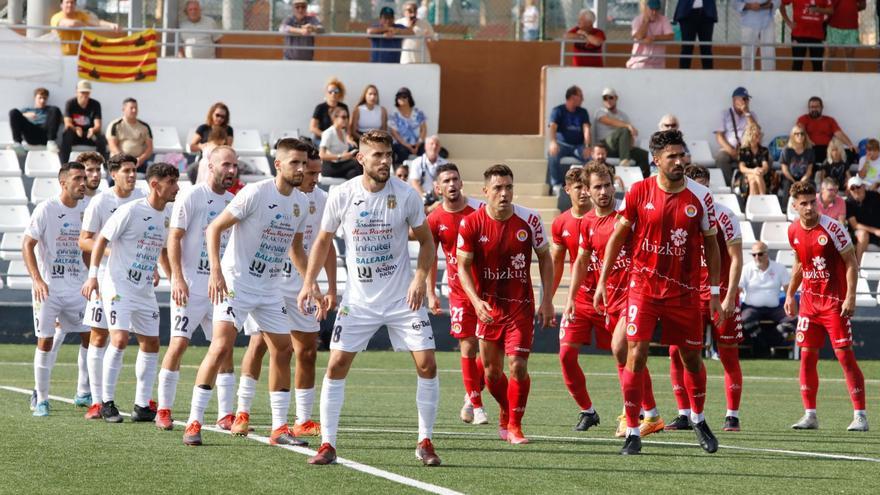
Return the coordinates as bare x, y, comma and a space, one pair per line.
17, 276
629, 175
258, 163
12, 191
166, 140
716, 181
9, 163
701, 154
863, 295
14, 218
785, 257
277, 135
748, 234
730, 200
249, 142
10, 246
764, 208
43, 189
870, 266
775, 235
5, 134
42, 164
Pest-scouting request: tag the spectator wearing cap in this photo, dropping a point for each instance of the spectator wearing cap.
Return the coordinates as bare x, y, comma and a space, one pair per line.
649, 27
196, 44
729, 134
829, 202
130, 135
569, 131
863, 214
588, 41
843, 31
408, 126
82, 122
822, 129
761, 282
807, 27
416, 51
615, 130
71, 17
300, 28
869, 165
697, 19
385, 37
757, 28
37, 124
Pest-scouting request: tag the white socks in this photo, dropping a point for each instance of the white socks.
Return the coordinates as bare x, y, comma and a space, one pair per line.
684, 412
732, 413
82, 378
95, 362
42, 373
427, 398
112, 367
246, 390
280, 403
653, 413
697, 417
167, 388
633, 432
332, 397
201, 397
225, 393
305, 397
145, 372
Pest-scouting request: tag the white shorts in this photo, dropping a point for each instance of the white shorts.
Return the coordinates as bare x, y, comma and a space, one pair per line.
299, 322
268, 312
68, 310
140, 317
95, 317
408, 330
196, 313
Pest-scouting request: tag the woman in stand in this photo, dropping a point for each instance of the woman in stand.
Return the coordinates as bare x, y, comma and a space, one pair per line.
337, 149
218, 116
754, 160
368, 114
322, 117
408, 126
797, 160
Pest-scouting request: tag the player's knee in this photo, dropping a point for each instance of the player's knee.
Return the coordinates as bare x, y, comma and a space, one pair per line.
307, 356
45, 345
98, 339
149, 344
427, 369
519, 368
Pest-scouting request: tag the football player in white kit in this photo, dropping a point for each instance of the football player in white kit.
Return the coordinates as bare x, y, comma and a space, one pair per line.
305, 327
266, 219
376, 213
190, 306
122, 168
57, 271
137, 231
93, 162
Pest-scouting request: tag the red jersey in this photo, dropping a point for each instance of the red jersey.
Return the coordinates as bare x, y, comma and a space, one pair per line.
502, 258
729, 233
808, 24
588, 55
819, 250
566, 228
444, 227
820, 130
668, 230
595, 232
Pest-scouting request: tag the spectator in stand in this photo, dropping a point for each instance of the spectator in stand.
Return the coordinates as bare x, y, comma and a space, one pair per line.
729, 134
368, 114
761, 283
869, 165
321, 117
754, 161
843, 31
131, 136
408, 126
198, 171
82, 122
196, 44
863, 214
531, 21
402, 172
569, 131
697, 19
423, 170
338, 151
600, 156
385, 37
822, 128
649, 27
218, 116
416, 51
590, 39
613, 128
829, 202
300, 29
70, 17
807, 26
36, 125
797, 160
757, 28
836, 164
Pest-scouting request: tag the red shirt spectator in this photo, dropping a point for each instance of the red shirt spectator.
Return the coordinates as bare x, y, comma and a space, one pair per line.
820, 129
846, 14
807, 22
589, 41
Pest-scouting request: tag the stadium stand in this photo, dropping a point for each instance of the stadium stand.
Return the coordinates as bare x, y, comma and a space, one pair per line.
775, 234
9, 166
10, 246
13, 191
870, 266
41, 163
43, 189
166, 140
764, 208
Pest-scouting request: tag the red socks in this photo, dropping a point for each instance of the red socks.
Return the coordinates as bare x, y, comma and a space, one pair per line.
481, 372
517, 396
498, 389
855, 381
695, 383
676, 376
648, 402
470, 375
633, 384
809, 377
573, 376
733, 377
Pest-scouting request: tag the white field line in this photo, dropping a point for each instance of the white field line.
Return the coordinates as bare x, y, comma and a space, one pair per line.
357, 466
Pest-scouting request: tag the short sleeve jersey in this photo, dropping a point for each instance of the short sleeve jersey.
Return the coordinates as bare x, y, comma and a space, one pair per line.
375, 227
729, 233
292, 281
502, 258
444, 227
137, 232
193, 211
594, 235
99, 210
667, 240
56, 228
258, 247
819, 250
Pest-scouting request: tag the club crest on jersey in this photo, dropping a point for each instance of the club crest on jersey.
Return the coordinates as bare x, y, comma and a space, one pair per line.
456, 328
167, 222
312, 208
631, 329
801, 337
296, 210
522, 235
690, 211
392, 202
823, 240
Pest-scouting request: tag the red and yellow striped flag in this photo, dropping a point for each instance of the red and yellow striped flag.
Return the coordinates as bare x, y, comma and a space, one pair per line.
116, 60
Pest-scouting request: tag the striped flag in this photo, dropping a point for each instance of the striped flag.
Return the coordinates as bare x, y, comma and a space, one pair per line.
117, 60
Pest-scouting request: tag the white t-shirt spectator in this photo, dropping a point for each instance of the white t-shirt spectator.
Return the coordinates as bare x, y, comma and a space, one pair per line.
762, 288
189, 39
424, 170
421, 54
330, 140
871, 168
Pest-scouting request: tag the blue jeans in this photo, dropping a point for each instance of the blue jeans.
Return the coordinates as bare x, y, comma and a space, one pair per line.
557, 174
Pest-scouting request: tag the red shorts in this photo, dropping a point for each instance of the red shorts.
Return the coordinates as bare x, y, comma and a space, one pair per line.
729, 331
516, 335
579, 331
680, 327
811, 330
613, 317
462, 318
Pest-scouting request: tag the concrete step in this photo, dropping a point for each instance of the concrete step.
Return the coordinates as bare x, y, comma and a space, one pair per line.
524, 170
492, 146
474, 188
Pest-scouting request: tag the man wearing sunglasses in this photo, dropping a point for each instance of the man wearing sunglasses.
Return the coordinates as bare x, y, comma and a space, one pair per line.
760, 283
863, 214
299, 29
614, 128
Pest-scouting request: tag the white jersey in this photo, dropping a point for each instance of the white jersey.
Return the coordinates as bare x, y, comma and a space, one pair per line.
192, 212
292, 281
261, 240
137, 232
56, 228
98, 211
376, 230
